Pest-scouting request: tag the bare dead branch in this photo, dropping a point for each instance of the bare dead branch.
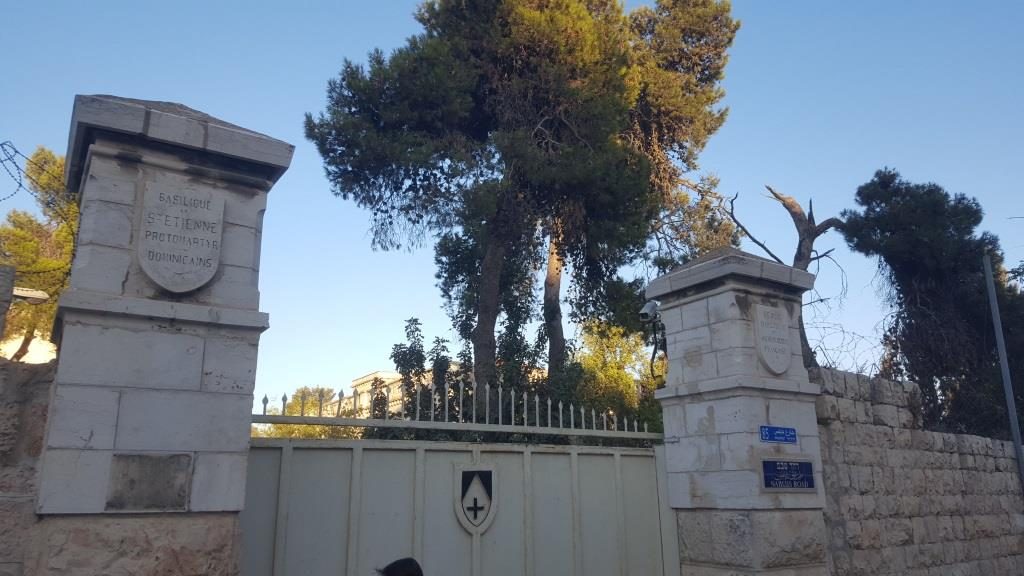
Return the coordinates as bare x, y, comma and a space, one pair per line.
827, 225
572, 129
796, 212
732, 215
824, 254
843, 280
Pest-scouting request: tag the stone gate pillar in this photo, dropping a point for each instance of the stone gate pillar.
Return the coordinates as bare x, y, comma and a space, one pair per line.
741, 436
146, 442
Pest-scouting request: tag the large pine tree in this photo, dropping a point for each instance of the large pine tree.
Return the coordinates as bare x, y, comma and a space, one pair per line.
940, 333
525, 131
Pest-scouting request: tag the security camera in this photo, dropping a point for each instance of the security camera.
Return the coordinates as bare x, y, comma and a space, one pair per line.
650, 311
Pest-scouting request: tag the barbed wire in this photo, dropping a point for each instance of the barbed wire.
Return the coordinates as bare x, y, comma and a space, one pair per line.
14, 163
16, 179
10, 159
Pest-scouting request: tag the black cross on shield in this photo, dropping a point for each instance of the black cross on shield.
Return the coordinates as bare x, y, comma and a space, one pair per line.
475, 504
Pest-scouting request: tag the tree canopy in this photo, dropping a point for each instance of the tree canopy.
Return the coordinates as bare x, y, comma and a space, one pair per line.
40, 249
617, 374
508, 126
308, 401
940, 333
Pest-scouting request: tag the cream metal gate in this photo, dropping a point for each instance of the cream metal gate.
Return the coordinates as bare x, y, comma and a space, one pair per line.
348, 506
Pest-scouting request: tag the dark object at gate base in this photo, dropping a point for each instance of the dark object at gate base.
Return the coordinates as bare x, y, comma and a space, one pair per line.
402, 567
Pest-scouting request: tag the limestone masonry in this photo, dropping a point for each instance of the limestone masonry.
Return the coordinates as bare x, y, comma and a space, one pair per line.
148, 433
903, 501
743, 505
24, 397
867, 492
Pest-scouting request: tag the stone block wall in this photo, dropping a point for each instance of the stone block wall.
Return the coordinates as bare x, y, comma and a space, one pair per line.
152, 544
904, 501
24, 398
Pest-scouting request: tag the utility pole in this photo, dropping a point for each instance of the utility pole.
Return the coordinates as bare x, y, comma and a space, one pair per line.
1011, 405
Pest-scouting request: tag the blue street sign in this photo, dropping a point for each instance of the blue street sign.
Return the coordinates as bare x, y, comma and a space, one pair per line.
778, 435
788, 475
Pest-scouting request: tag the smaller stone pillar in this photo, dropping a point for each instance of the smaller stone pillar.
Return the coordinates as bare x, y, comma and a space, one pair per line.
6, 294
741, 435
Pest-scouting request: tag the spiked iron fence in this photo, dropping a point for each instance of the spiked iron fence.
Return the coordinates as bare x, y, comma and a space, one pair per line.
513, 411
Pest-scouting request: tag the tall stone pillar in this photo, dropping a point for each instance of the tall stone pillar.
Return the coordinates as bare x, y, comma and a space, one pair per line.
741, 436
146, 442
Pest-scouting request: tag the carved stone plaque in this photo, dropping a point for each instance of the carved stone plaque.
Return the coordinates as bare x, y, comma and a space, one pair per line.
772, 332
180, 237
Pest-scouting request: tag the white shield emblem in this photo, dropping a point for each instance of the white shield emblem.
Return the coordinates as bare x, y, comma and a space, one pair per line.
772, 332
475, 502
180, 238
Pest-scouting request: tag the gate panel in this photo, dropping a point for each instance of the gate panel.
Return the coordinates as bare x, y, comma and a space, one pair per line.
643, 535
384, 531
504, 544
552, 505
319, 490
599, 516
259, 517
444, 541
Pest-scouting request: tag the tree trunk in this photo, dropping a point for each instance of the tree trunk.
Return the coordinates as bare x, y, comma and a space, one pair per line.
26, 341
804, 249
553, 307
810, 361
484, 346
802, 261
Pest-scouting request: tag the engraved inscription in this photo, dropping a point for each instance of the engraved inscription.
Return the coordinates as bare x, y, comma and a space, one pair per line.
180, 240
772, 330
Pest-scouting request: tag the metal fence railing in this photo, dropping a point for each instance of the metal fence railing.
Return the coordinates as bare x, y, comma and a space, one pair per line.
456, 409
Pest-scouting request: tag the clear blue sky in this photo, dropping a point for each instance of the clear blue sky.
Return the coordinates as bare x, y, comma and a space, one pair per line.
821, 95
